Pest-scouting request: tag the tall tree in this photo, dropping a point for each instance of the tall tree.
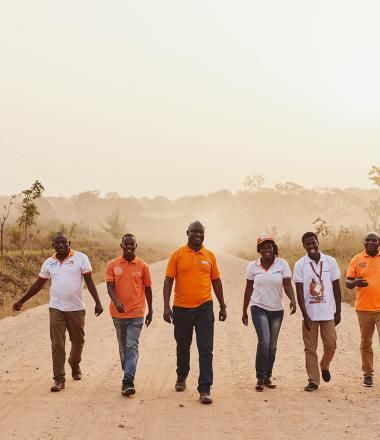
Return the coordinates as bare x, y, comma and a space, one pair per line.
29, 211
4, 217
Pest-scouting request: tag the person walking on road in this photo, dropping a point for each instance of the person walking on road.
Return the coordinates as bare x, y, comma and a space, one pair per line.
267, 277
316, 276
364, 273
129, 286
194, 269
66, 269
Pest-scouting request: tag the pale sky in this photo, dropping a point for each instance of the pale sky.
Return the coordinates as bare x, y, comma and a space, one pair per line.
171, 97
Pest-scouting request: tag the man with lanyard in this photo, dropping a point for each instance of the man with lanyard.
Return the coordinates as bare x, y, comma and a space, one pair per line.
194, 269
66, 269
364, 273
316, 276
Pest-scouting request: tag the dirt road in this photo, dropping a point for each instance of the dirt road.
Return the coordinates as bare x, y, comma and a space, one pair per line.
94, 409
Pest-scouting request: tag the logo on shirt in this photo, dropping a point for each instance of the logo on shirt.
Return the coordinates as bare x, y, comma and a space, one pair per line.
118, 270
362, 264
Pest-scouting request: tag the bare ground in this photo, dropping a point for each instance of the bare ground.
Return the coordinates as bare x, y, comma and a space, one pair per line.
94, 409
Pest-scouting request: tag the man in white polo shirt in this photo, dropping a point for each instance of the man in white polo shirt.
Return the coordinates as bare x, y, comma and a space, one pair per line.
316, 276
66, 269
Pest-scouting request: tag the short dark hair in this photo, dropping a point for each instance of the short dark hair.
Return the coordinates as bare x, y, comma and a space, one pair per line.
275, 247
128, 234
309, 235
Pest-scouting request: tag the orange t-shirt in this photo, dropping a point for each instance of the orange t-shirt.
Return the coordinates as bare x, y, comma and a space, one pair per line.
130, 281
193, 272
363, 265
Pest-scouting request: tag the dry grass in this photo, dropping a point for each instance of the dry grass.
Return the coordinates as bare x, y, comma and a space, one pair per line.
18, 272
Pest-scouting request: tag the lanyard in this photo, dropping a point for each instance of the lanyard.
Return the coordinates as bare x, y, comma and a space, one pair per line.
320, 271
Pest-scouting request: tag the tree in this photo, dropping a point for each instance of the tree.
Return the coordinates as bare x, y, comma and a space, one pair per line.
4, 217
288, 188
374, 208
374, 175
321, 227
115, 226
29, 211
254, 183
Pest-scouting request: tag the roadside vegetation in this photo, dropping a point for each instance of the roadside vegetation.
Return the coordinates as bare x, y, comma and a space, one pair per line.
95, 224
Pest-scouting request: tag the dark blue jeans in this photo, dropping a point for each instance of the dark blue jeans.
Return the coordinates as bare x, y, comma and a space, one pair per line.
267, 324
202, 319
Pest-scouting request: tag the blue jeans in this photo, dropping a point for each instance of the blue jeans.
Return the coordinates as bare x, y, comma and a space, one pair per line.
202, 319
267, 324
128, 333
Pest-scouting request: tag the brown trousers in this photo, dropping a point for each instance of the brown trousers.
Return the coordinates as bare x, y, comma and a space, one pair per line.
310, 339
367, 323
73, 322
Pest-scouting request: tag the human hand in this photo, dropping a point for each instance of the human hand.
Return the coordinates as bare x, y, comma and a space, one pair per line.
337, 318
120, 307
168, 315
361, 282
307, 322
293, 306
148, 318
17, 306
222, 313
98, 309
244, 318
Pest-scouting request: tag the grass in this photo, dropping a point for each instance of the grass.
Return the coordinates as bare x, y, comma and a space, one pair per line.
18, 272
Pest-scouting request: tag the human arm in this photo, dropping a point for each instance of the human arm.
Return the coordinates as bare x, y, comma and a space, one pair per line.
218, 289
338, 300
167, 290
289, 292
301, 303
247, 296
112, 294
149, 300
33, 290
351, 283
94, 293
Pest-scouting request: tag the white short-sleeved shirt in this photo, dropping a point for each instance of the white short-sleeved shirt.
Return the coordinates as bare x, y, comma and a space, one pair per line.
319, 301
268, 284
66, 291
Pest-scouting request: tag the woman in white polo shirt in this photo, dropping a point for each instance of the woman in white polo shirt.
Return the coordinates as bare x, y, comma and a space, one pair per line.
267, 277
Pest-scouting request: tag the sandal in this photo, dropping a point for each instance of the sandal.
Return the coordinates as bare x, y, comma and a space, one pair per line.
269, 384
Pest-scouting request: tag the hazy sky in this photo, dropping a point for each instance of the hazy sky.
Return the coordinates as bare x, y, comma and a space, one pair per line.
171, 97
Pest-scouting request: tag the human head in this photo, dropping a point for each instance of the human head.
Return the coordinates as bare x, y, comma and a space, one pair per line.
310, 243
372, 243
61, 244
128, 245
263, 242
195, 235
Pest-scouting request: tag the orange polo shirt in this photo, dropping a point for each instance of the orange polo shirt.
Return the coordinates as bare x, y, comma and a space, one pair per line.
363, 265
193, 272
130, 281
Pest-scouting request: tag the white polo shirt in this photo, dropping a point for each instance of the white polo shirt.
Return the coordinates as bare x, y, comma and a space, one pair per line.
66, 290
320, 305
268, 284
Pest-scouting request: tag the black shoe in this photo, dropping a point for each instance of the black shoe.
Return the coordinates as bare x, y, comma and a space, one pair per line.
128, 388
326, 376
368, 381
269, 384
180, 385
205, 398
311, 387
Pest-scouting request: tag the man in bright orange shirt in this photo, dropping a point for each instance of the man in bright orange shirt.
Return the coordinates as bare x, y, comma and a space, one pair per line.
195, 270
364, 273
129, 285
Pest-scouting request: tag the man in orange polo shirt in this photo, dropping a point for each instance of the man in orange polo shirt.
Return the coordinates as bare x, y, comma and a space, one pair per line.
194, 269
364, 273
129, 285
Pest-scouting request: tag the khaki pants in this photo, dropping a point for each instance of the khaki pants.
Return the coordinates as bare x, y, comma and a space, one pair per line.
367, 323
73, 322
310, 339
